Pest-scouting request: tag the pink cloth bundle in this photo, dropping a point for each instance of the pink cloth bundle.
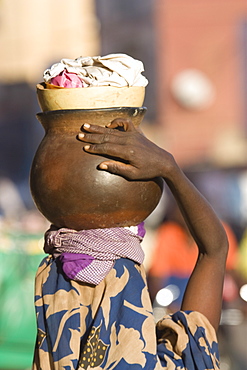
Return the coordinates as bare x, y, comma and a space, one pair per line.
67, 79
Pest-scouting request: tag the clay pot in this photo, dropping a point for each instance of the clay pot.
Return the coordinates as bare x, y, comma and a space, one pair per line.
66, 185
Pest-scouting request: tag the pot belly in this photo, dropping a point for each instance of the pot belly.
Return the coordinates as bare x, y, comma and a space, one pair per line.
71, 192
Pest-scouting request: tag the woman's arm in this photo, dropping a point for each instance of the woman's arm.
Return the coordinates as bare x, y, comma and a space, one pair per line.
204, 290
142, 159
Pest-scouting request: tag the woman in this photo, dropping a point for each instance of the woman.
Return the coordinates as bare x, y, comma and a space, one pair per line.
110, 325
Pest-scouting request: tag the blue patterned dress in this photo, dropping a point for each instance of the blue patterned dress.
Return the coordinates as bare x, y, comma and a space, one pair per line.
111, 325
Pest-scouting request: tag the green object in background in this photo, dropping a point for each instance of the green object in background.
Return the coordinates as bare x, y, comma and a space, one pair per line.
17, 314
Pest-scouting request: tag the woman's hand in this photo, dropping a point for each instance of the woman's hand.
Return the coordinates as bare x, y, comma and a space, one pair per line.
133, 155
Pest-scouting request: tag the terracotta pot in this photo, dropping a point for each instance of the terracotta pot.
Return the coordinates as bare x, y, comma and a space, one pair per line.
66, 185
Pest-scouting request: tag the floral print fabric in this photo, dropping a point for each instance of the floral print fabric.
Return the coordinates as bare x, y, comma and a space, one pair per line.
111, 326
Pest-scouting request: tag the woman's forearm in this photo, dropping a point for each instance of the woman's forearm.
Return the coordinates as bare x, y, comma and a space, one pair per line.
198, 214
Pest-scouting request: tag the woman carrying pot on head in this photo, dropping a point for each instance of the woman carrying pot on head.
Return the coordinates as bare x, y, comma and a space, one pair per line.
110, 325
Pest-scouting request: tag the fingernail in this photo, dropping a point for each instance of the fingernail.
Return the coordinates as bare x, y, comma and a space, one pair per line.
81, 135
87, 147
86, 125
103, 166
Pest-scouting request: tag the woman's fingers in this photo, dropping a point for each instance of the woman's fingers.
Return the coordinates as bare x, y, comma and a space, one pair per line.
108, 140
107, 149
119, 168
94, 138
126, 124
100, 135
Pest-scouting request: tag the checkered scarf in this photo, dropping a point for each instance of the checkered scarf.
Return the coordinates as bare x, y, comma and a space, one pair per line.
88, 255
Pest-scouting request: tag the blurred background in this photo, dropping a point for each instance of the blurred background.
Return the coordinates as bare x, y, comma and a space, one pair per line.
195, 58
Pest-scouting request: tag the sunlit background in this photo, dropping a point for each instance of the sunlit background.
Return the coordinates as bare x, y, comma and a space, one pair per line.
195, 58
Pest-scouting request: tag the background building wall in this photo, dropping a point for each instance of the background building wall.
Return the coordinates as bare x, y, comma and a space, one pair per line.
33, 35
128, 27
209, 37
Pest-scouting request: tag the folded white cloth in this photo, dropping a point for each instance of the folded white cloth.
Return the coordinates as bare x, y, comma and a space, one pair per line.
111, 70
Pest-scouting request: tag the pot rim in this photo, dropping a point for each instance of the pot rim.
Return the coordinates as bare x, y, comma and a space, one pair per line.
135, 110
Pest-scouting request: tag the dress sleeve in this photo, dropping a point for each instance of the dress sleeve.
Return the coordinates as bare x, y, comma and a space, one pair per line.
186, 340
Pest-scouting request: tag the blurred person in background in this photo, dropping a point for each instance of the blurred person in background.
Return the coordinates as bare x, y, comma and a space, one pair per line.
12, 207
175, 254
